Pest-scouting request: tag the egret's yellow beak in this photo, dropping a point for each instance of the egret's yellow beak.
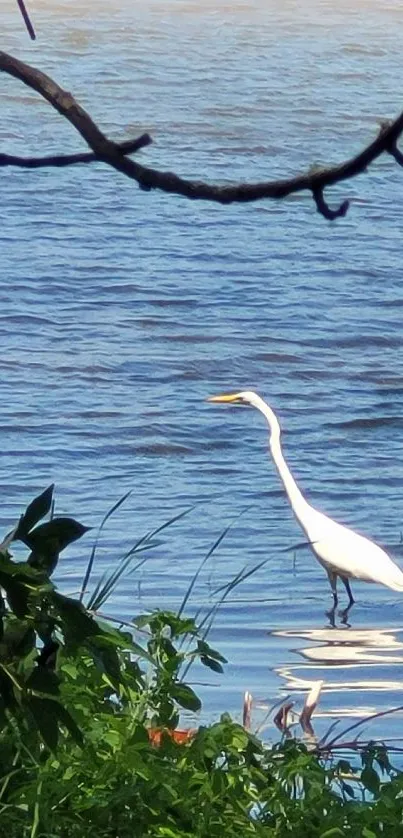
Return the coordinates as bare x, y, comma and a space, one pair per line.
229, 398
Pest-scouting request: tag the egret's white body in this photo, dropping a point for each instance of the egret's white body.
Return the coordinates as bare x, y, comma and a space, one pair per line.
341, 551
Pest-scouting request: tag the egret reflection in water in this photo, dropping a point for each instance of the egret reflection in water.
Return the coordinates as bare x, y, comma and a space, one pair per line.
351, 663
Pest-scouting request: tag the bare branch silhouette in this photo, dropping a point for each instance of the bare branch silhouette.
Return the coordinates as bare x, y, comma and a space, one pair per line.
25, 15
104, 149
60, 160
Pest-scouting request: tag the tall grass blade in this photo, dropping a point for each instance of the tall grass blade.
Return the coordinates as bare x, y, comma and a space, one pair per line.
108, 583
237, 580
206, 558
93, 551
240, 577
209, 618
327, 733
361, 722
200, 568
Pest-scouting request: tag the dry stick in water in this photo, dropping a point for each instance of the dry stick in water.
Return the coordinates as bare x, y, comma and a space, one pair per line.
109, 152
309, 708
247, 709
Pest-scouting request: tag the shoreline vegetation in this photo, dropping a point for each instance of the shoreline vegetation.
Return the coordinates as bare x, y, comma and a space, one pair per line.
89, 720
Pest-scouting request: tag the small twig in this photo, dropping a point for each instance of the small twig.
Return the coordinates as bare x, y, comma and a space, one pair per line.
60, 160
396, 153
25, 15
324, 208
391, 148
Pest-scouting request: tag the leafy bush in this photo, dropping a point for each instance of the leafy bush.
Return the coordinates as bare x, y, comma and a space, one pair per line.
80, 705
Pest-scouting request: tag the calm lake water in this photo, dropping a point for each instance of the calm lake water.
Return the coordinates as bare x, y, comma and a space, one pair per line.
121, 311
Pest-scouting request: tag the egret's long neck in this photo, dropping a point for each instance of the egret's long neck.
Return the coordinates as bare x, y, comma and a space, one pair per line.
295, 496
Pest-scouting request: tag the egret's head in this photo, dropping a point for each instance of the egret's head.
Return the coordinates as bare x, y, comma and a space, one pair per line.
246, 397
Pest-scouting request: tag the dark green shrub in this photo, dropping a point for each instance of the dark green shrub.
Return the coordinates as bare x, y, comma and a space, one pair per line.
79, 697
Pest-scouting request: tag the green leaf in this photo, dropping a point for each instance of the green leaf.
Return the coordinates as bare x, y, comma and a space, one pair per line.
77, 624
46, 720
9, 686
367, 833
107, 661
48, 540
43, 680
80, 627
3, 716
344, 766
48, 714
22, 572
55, 535
370, 779
67, 720
18, 639
185, 697
19, 581
141, 621
70, 669
112, 738
139, 738
17, 594
122, 640
332, 833
211, 663
205, 649
348, 790
34, 512
382, 759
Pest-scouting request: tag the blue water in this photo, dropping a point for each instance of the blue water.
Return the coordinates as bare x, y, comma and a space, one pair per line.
121, 311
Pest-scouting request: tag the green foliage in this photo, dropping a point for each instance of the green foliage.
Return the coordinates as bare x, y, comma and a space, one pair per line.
80, 701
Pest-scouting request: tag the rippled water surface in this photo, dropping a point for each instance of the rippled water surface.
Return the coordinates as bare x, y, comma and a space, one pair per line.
121, 310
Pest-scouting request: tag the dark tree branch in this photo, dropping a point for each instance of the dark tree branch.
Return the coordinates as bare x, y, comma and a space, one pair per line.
60, 160
147, 178
391, 147
324, 208
28, 24
396, 153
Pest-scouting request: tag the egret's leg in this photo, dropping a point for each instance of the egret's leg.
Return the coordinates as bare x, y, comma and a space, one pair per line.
346, 584
333, 584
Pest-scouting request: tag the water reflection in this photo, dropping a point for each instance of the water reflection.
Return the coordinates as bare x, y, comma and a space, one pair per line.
351, 662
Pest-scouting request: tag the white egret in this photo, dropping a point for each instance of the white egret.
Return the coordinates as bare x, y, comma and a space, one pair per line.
341, 551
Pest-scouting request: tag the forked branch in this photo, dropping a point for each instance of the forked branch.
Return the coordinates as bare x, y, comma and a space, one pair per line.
115, 154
